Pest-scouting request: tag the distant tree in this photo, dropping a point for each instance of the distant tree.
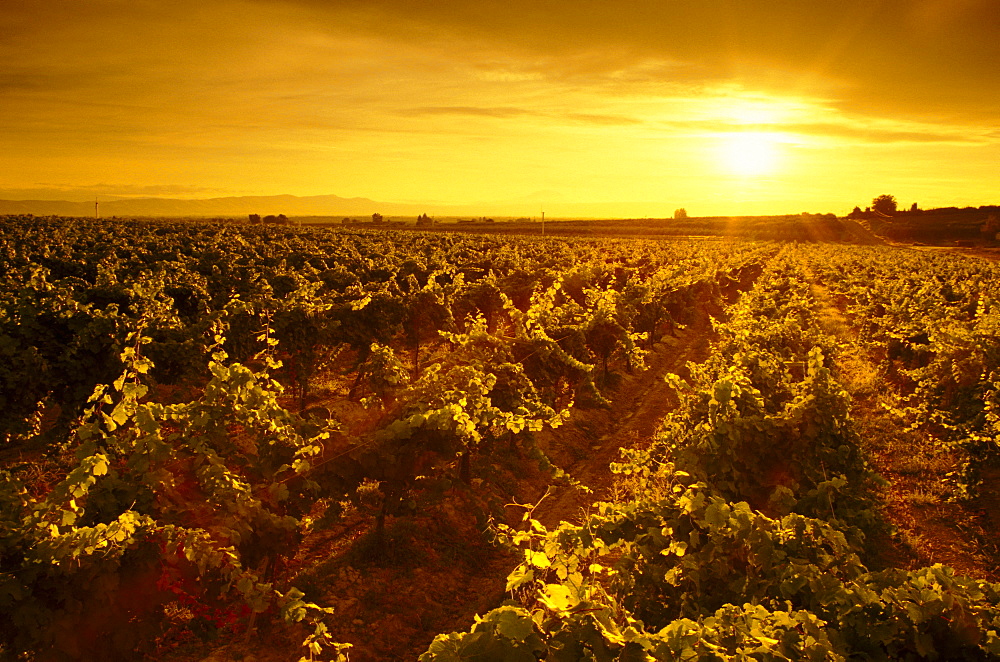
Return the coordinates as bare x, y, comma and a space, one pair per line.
377, 218
856, 213
680, 213
884, 204
255, 218
914, 209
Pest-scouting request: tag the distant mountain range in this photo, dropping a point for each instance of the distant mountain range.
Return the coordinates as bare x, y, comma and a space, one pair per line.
320, 205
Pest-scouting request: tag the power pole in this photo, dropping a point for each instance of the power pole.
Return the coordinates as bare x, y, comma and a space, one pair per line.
543, 222
96, 214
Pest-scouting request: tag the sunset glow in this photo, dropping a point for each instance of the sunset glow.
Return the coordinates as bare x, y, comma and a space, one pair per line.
750, 154
489, 107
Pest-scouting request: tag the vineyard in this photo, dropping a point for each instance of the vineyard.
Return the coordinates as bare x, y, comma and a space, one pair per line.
255, 442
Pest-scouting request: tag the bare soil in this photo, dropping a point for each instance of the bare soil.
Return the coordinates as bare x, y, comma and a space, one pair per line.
593, 438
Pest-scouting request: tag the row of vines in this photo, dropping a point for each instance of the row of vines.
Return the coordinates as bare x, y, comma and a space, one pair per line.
747, 532
933, 324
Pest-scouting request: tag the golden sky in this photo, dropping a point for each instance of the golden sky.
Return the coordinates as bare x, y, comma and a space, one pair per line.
718, 106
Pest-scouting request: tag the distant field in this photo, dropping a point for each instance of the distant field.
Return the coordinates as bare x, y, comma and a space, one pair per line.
935, 227
797, 227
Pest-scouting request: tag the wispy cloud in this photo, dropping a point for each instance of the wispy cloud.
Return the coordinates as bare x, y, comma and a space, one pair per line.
891, 56
860, 130
954, 136
603, 120
514, 113
468, 111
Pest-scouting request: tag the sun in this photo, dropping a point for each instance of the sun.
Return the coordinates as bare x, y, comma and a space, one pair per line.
749, 153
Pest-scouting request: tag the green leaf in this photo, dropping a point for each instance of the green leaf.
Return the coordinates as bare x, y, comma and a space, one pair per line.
537, 559
244, 585
515, 624
521, 575
558, 597
119, 414
717, 514
279, 491
100, 467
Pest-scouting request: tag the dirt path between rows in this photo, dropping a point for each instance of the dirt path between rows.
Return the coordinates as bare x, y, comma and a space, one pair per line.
593, 438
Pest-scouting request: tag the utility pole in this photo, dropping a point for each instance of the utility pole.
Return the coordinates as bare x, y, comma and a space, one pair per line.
96, 214
543, 222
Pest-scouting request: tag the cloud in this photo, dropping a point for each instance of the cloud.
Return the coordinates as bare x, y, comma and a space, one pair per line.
467, 111
15, 81
923, 57
846, 130
603, 120
860, 132
515, 113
